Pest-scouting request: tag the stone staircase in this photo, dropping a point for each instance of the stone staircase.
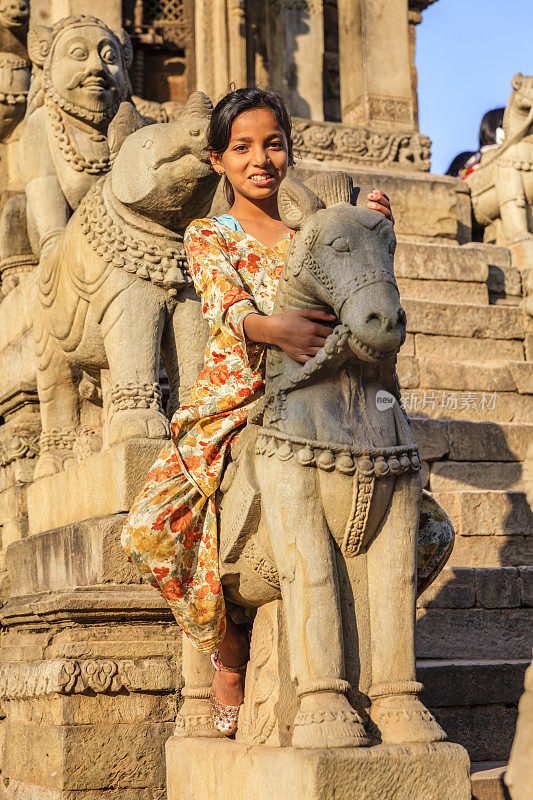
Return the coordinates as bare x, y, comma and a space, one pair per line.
467, 376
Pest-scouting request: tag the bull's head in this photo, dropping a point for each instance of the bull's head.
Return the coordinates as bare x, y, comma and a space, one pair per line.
163, 171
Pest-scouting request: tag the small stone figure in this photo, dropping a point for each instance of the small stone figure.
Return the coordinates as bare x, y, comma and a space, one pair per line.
502, 185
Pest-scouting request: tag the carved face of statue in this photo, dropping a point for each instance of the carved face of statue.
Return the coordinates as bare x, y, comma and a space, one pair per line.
87, 69
14, 13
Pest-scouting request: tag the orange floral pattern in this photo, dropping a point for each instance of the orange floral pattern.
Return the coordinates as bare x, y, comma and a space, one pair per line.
171, 531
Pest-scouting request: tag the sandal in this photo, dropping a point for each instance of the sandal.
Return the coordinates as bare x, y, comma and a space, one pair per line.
224, 718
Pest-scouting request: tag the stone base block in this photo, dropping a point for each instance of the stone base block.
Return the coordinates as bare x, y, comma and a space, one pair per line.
98, 486
218, 770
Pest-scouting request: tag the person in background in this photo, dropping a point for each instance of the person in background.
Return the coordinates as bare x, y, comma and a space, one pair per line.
491, 135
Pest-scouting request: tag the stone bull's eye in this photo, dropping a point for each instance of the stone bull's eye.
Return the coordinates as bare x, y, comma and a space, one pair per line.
341, 245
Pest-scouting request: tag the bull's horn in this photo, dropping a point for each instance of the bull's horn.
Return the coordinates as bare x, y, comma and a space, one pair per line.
198, 105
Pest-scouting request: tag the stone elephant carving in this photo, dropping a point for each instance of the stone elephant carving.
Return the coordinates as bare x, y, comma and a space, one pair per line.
320, 505
114, 292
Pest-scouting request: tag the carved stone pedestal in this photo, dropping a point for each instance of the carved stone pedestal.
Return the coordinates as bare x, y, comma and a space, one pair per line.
217, 769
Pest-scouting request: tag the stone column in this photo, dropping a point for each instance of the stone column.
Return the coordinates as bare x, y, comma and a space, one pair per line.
374, 64
237, 42
304, 55
211, 41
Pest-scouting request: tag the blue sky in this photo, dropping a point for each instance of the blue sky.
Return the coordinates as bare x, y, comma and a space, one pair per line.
467, 53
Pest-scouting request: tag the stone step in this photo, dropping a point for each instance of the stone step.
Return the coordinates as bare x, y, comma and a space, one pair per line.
460, 440
465, 349
449, 684
487, 780
492, 551
487, 513
440, 373
475, 701
438, 291
478, 322
474, 633
475, 476
481, 587
443, 262
468, 405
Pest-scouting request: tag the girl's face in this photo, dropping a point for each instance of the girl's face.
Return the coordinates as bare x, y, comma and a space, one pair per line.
257, 156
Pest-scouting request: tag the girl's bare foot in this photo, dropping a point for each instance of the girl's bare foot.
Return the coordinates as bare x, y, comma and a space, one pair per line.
228, 687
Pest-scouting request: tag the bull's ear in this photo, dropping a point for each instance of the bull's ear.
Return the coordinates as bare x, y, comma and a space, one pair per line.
516, 83
127, 49
39, 43
296, 202
126, 121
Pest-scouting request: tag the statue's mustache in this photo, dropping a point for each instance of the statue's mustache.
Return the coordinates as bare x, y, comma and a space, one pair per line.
80, 77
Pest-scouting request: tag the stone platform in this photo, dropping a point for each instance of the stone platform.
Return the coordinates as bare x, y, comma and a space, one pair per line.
217, 770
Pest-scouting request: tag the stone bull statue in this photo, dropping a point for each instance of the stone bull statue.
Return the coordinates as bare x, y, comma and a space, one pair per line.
320, 505
114, 291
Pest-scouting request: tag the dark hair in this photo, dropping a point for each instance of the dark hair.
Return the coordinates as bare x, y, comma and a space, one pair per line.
459, 162
228, 109
487, 130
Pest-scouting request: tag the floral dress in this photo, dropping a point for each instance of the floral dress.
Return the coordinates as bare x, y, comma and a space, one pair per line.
171, 531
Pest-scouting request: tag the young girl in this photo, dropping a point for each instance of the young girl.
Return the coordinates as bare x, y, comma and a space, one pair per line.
235, 261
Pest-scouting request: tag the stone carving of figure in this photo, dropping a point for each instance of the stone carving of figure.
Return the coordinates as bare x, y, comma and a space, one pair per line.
80, 78
14, 64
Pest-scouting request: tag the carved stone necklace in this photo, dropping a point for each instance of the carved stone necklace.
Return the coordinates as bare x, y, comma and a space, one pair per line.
68, 148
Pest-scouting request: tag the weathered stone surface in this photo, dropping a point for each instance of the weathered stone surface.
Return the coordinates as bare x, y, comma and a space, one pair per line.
523, 376
408, 371
487, 781
450, 319
491, 513
454, 587
77, 756
17, 311
441, 291
17, 790
486, 441
440, 262
498, 587
471, 683
431, 437
468, 405
413, 772
453, 476
426, 206
440, 374
492, 551
465, 724
526, 585
471, 633
81, 554
459, 348
101, 485
519, 777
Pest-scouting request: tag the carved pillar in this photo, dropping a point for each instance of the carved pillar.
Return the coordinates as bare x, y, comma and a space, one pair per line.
374, 63
237, 42
304, 55
211, 39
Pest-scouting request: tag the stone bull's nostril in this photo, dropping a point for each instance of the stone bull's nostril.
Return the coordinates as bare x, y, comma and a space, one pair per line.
402, 317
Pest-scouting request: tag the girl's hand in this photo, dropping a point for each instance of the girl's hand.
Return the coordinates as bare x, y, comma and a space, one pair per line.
300, 333
378, 201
